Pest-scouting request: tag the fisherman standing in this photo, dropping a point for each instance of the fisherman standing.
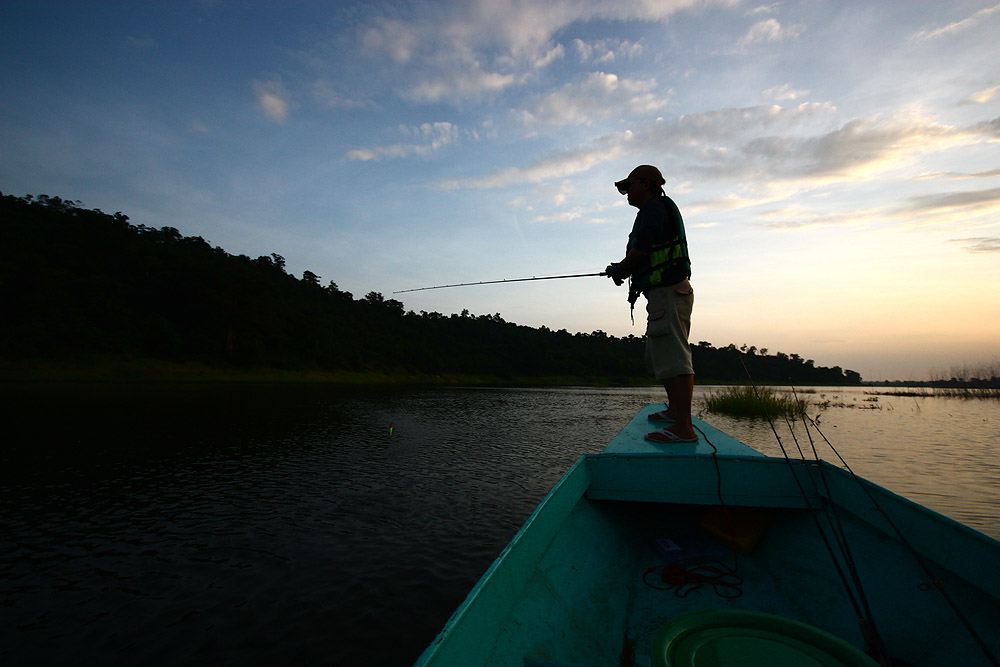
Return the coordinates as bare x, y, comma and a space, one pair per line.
658, 267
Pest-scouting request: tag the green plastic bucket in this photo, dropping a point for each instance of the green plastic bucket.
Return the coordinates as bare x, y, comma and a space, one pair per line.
734, 638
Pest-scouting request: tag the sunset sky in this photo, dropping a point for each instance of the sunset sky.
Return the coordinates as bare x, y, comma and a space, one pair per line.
837, 163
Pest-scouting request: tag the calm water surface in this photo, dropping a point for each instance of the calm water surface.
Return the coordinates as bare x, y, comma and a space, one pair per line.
269, 524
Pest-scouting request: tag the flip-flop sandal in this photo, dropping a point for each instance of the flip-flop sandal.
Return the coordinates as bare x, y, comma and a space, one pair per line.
661, 417
663, 435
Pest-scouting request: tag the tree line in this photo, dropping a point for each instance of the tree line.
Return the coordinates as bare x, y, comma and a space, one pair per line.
79, 284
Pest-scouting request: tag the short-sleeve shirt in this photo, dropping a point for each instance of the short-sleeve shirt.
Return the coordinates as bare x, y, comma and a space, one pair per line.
657, 222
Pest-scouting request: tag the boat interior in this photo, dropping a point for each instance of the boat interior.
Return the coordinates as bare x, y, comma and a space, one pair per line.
629, 541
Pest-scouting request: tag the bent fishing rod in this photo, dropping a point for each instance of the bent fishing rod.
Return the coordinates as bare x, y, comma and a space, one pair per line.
505, 280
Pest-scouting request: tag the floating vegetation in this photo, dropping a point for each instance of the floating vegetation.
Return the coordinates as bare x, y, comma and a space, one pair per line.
962, 382
743, 401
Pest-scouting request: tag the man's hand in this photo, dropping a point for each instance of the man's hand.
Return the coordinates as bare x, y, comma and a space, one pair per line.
616, 273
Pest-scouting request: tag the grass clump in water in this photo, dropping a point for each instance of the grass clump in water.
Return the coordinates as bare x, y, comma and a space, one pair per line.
742, 401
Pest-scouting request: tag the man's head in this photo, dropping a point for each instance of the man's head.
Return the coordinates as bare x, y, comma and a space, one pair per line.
641, 185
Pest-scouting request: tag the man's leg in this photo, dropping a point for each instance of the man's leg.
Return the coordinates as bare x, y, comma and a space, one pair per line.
680, 393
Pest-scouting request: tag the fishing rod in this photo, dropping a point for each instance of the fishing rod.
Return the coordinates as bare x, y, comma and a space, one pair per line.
505, 280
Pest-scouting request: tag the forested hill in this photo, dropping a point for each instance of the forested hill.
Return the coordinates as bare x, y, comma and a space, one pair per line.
80, 285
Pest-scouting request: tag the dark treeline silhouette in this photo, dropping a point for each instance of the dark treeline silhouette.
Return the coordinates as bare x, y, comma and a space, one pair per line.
84, 285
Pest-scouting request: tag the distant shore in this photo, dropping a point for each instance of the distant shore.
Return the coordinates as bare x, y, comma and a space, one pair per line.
126, 370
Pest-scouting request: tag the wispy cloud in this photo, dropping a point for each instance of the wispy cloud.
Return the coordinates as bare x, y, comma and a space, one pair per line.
983, 96
428, 138
769, 31
801, 217
606, 50
957, 175
456, 50
980, 244
458, 84
784, 93
273, 99
953, 200
327, 94
957, 26
764, 144
598, 96
559, 165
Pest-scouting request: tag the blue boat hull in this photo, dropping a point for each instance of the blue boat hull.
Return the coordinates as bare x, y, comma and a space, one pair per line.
583, 582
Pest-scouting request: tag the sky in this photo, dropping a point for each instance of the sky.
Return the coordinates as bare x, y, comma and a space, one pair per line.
837, 164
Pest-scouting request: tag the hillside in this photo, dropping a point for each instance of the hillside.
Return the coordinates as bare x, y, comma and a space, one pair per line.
83, 286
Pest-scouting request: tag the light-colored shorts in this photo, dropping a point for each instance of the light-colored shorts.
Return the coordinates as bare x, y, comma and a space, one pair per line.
668, 324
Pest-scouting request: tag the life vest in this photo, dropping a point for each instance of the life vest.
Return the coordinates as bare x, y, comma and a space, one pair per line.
667, 262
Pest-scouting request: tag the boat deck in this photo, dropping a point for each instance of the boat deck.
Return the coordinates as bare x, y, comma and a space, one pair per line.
630, 440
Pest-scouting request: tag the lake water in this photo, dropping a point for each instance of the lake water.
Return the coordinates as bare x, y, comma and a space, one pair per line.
256, 524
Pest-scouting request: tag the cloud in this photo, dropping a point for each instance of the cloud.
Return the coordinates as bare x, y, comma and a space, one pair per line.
464, 48
459, 84
598, 96
989, 173
606, 50
989, 127
397, 39
983, 96
957, 26
797, 217
980, 244
974, 199
853, 151
784, 92
430, 137
565, 216
555, 53
326, 94
763, 145
560, 165
272, 98
765, 9
769, 31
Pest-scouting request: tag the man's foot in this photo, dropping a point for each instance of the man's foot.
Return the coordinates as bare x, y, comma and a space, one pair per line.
662, 417
669, 437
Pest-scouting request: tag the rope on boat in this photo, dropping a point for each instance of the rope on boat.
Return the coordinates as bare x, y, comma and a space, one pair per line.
684, 580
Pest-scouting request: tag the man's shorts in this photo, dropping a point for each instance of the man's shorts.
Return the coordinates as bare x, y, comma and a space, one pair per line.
668, 324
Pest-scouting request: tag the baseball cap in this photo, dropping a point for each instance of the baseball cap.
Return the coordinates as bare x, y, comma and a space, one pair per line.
644, 172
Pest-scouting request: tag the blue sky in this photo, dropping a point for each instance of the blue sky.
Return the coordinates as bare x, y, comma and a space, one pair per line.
837, 164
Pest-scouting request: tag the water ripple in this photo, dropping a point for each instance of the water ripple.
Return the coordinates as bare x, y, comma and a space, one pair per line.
276, 524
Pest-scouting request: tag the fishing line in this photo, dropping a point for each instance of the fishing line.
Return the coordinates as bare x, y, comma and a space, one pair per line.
861, 614
916, 555
504, 280
868, 627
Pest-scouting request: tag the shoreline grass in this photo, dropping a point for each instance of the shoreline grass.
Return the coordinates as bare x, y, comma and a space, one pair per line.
743, 401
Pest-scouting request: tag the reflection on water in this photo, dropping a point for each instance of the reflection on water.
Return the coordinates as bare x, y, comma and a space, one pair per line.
249, 524
940, 452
